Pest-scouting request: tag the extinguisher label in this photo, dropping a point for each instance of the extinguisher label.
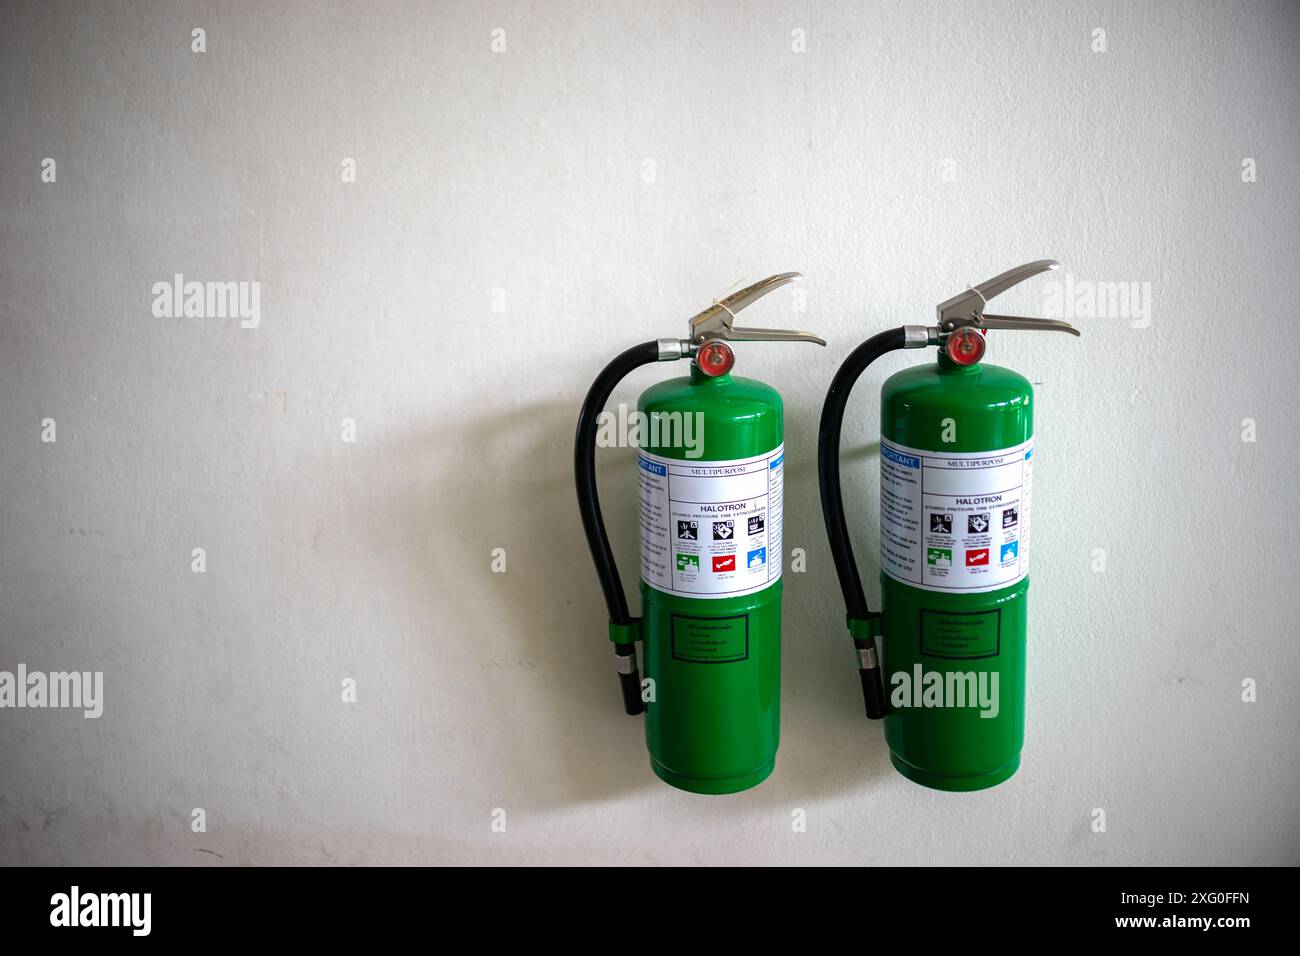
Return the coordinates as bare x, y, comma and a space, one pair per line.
711, 529
710, 640
955, 521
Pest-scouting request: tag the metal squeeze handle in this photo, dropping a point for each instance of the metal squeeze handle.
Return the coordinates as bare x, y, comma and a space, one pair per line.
718, 320
967, 308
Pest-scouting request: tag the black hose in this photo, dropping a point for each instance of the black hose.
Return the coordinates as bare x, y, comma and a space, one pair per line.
584, 469
837, 529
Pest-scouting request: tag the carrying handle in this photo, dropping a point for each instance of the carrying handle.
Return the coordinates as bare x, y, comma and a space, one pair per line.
966, 309
1025, 324
718, 320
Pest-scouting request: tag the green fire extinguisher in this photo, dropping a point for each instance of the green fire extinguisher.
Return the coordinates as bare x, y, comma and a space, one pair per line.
956, 466
710, 469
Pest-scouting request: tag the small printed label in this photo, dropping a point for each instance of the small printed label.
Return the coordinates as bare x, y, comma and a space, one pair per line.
711, 529
960, 634
710, 640
955, 521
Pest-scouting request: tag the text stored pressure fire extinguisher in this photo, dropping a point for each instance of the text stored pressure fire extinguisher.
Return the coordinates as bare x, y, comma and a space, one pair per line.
711, 471
956, 460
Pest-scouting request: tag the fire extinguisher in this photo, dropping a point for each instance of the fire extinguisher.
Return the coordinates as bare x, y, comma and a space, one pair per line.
710, 516
956, 465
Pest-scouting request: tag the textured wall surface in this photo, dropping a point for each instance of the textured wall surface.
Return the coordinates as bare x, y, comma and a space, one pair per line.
517, 216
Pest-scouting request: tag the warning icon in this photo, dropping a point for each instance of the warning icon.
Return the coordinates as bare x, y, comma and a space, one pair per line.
940, 523
688, 530
723, 530
1010, 516
755, 525
977, 523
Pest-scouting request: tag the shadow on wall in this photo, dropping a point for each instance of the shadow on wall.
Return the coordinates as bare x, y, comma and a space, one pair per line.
556, 719
827, 742
550, 714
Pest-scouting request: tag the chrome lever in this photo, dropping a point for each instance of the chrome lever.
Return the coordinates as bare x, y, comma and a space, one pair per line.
1028, 325
992, 288
966, 309
718, 320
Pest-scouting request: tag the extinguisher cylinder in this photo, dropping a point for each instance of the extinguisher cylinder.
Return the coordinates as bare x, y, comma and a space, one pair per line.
711, 542
956, 470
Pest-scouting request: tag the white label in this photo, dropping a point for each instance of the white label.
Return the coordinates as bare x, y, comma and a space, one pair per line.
711, 529
955, 521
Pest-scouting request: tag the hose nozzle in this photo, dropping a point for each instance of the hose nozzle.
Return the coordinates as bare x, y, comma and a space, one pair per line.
873, 688
629, 679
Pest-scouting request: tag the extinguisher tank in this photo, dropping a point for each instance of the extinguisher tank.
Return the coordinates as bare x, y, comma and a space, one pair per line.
956, 475
711, 582
956, 466
710, 473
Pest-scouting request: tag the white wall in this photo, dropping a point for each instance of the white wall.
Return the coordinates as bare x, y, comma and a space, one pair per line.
525, 171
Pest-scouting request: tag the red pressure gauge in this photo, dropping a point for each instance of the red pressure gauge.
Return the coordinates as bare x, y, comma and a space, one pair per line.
965, 346
715, 358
